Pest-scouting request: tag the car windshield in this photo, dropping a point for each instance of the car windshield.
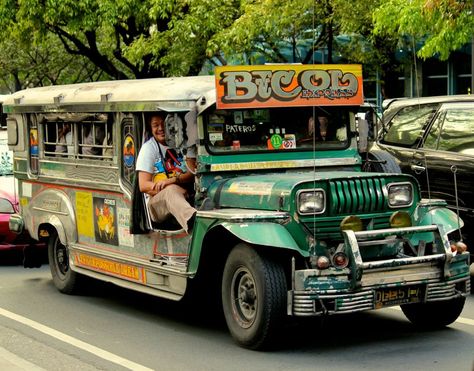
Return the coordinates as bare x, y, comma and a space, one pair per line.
270, 129
6, 158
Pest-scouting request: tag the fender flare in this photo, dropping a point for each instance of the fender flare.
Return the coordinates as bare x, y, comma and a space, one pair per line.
435, 213
265, 234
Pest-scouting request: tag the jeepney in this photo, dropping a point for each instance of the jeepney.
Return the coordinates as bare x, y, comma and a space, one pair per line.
288, 224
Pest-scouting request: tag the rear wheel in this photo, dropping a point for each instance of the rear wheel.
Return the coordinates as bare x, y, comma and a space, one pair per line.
434, 314
65, 280
253, 296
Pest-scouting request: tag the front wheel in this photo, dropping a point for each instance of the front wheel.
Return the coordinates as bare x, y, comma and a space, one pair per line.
253, 296
434, 315
65, 280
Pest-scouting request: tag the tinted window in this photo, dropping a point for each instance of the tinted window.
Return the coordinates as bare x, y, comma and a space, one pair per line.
457, 134
405, 128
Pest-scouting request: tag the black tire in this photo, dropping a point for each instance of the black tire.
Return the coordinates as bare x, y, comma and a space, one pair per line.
253, 297
65, 280
435, 314
382, 162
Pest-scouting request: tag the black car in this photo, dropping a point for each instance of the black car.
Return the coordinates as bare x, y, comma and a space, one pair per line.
432, 138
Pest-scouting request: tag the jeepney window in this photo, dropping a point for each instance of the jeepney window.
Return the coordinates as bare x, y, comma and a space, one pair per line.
294, 128
81, 136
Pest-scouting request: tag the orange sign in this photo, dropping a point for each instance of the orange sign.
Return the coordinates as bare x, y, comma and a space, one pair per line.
289, 85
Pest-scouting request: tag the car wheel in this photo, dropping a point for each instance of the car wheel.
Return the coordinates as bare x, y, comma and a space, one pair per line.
381, 162
434, 315
253, 296
65, 280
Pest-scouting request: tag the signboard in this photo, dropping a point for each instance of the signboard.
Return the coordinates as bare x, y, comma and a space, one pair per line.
288, 85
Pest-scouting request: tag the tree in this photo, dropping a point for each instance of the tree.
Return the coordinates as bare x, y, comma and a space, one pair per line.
278, 31
25, 65
124, 38
443, 25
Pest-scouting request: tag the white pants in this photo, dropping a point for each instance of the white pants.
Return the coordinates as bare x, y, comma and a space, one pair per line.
171, 201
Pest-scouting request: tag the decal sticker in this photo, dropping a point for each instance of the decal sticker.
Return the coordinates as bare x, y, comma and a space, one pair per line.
125, 238
105, 221
84, 214
129, 151
34, 142
103, 265
252, 188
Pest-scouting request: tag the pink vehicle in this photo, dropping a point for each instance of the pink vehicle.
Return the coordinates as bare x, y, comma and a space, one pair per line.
32, 250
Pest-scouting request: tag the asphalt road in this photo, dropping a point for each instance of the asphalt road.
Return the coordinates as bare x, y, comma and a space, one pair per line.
109, 328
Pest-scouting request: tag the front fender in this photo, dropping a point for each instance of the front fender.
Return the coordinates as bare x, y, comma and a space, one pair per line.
264, 233
430, 212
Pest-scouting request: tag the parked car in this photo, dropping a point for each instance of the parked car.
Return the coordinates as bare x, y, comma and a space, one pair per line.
33, 251
432, 138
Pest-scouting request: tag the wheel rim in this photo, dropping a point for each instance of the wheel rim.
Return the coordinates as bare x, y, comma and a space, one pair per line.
244, 297
61, 259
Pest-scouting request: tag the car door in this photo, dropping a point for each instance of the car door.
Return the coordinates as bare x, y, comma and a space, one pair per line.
445, 158
403, 133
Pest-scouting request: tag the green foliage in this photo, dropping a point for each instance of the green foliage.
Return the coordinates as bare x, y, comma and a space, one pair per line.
53, 41
443, 25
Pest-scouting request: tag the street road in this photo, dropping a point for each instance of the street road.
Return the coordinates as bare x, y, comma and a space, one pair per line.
109, 328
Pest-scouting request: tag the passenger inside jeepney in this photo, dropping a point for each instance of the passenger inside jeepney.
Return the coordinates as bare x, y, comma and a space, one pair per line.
164, 174
324, 130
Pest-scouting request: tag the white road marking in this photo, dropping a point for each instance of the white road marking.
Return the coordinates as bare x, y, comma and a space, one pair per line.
75, 342
464, 321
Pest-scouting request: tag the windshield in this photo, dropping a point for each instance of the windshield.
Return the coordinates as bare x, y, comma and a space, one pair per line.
275, 129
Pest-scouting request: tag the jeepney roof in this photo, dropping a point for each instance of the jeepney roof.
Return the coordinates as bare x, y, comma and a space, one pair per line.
164, 93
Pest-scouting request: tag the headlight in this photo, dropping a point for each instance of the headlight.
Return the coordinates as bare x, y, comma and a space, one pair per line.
311, 202
400, 194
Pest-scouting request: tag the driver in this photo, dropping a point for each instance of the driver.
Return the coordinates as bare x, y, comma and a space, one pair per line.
163, 175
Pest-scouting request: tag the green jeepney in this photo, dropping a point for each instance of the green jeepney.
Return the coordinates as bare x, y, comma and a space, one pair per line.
288, 223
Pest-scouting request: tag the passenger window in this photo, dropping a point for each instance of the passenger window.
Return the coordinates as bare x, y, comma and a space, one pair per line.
406, 127
80, 136
457, 134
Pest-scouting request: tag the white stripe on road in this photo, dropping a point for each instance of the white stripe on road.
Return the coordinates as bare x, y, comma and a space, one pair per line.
75, 342
464, 321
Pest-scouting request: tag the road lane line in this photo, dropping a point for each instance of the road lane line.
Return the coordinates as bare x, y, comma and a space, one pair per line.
464, 321
75, 342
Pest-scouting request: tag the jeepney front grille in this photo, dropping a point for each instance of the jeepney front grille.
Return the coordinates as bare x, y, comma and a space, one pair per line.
330, 227
356, 196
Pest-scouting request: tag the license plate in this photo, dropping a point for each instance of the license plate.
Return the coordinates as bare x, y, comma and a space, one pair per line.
398, 295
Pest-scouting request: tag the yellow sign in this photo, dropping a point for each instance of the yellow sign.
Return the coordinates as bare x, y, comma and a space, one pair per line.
99, 264
289, 85
84, 215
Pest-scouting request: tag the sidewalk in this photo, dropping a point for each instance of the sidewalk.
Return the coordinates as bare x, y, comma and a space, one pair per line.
11, 362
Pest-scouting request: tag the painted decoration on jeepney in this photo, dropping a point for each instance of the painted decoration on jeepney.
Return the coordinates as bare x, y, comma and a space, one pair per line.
124, 236
84, 213
105, 220
128, 151
288, 85
34, 142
